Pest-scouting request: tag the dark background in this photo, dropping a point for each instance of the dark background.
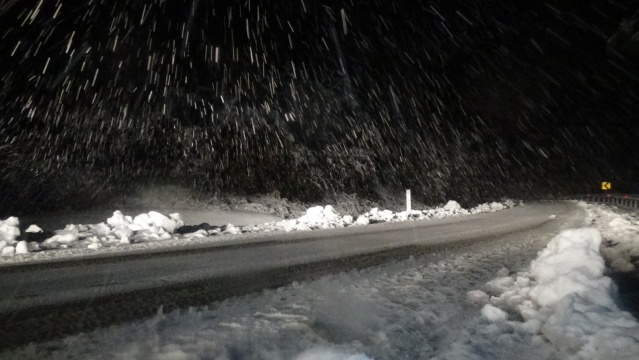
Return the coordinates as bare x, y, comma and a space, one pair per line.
471, 100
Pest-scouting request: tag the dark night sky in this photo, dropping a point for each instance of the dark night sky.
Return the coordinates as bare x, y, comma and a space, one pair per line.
464, 99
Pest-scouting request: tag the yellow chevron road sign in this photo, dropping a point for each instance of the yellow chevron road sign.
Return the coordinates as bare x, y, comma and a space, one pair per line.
606, 185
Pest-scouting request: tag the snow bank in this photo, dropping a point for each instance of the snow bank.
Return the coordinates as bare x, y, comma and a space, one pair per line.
620, 235
494, 206
120, 229
569, 264
566, 300
319, 217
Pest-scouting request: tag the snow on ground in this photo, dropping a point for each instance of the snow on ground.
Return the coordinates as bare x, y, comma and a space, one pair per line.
620, 231
411, 309
564, 298
441, 306
122, 232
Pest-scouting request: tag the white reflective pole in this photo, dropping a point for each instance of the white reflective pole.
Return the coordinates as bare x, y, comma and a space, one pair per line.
407, 200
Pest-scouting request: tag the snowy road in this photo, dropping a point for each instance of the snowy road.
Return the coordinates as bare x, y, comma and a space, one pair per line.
117, 289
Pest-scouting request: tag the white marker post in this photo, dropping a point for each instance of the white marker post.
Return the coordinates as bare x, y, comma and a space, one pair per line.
407, 199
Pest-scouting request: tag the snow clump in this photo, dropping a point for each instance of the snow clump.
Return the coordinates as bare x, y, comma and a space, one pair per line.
9, 232
34, 229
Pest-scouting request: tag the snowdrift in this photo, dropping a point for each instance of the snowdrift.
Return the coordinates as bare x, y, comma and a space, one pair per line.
564, 299
121, 230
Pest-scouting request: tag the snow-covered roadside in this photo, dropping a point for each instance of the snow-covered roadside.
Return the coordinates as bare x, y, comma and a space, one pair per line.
620, 233
560, 306
564, 298
122, 233
411, 309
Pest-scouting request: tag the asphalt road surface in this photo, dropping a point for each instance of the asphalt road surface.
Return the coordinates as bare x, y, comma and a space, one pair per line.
44, 301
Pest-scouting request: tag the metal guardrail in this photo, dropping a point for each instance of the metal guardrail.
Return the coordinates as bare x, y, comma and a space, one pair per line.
620, 200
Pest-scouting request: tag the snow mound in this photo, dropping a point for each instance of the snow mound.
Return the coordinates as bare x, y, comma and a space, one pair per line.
22, 247
120, 229
63, 238
34, 229
325, 217
317, 217
9, 230
452, 205
569, 264
620, 236
7, 250
492, 207
566, 300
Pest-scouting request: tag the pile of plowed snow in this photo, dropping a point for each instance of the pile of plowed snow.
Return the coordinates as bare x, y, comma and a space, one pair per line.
121, 230
564, 298
620, 233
